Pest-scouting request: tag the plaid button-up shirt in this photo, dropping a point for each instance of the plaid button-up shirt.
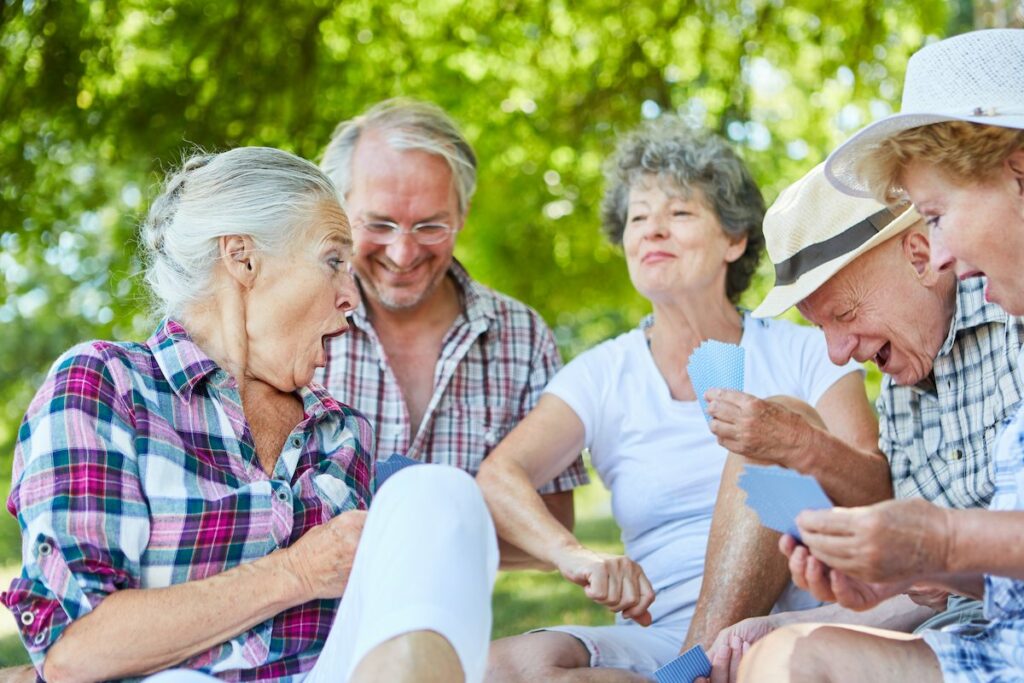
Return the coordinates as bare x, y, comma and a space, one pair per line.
939, 435
495, 362
135, 468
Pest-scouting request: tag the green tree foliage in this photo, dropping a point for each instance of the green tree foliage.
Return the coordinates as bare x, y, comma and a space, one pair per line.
100, 97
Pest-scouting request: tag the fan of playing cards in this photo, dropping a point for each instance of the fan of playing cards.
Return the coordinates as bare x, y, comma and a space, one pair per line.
715, 365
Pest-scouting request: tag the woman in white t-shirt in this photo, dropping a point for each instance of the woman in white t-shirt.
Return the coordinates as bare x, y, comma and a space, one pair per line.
688, 216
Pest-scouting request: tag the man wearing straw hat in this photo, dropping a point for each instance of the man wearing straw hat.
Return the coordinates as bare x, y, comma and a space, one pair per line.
862, 273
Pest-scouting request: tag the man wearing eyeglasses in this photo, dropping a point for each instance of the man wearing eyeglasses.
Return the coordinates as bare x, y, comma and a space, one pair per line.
441, 365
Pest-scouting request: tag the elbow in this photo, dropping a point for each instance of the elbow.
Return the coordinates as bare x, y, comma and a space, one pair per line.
60, 666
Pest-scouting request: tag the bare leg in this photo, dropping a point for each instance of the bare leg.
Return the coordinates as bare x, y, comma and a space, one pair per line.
548, 656
807, 653
417, 657
744, 572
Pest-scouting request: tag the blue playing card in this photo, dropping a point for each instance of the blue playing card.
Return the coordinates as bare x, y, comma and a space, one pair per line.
395, 462
683, 669
778, 495
715, 365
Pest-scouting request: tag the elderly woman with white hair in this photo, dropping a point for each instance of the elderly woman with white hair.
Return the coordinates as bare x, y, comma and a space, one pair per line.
194, 501
688, 215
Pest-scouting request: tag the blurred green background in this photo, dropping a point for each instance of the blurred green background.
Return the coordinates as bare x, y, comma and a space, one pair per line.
99, 98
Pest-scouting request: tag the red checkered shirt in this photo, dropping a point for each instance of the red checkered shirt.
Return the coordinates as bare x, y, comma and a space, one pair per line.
495, 362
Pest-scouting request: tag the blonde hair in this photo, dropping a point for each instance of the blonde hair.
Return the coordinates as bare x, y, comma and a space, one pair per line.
966, 152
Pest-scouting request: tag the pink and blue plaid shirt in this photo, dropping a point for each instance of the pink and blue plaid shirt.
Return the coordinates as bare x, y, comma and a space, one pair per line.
495, 362
135, 468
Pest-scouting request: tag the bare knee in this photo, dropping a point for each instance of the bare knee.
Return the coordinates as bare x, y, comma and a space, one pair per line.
798, 654
805, 410
421, 656
534, 657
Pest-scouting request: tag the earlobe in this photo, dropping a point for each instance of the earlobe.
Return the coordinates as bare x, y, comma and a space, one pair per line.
917, 250
736, 250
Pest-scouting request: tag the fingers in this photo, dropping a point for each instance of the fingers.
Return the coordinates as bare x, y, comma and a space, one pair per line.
721, 666
735, 654
818, 579
798, 565
639, 611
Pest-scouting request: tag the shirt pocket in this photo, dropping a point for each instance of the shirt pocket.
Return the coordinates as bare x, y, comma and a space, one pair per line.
474, 430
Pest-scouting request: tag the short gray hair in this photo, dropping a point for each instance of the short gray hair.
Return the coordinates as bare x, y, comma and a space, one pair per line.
690, 158
407, 125
261, 192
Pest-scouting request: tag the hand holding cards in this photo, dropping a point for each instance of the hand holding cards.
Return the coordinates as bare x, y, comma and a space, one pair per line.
778, 495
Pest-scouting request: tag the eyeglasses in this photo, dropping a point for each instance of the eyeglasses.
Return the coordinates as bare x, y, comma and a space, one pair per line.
387, 232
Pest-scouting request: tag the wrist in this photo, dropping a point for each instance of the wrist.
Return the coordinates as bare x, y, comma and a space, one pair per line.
950, 554
285, 578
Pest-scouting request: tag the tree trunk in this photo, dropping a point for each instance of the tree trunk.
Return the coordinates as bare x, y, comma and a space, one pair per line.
999, 13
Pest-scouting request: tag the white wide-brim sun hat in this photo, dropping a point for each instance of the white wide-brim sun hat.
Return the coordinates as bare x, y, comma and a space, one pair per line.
813, 230
976, 77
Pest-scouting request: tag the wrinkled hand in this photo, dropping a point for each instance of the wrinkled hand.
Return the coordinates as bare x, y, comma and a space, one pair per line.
322, 559
831, 585
614, 581
732, 644
755, 428
896, 540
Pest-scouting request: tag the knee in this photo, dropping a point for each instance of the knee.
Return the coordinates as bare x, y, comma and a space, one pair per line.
797, 654
805, 410
542, 656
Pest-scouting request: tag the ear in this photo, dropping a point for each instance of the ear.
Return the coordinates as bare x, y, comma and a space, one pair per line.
239, 257
1015, 164
918, 251
736, 250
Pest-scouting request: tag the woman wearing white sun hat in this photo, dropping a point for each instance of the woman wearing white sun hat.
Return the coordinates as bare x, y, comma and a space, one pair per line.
956, 150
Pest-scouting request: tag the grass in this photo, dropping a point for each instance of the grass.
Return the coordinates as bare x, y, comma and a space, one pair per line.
522, 600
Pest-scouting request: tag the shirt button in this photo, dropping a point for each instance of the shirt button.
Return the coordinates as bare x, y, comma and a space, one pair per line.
490, 438
28, 618
958, 454
40, 638
45, 549
296, 442
282, 496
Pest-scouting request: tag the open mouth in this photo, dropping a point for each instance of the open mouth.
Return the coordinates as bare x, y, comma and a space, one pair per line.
882, 357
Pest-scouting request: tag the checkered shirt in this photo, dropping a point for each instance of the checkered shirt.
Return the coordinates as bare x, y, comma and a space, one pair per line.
939, 438
135, 468
495, 362
997, 653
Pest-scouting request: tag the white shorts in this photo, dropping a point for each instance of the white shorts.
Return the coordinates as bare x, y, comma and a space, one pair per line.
629, 646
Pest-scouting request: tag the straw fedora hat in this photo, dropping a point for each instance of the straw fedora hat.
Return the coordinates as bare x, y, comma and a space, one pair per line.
976, 76
813, 230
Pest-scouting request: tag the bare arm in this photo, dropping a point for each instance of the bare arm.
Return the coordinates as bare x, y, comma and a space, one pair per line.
836, 442
560, 505
136, 632
542, 445
845, 458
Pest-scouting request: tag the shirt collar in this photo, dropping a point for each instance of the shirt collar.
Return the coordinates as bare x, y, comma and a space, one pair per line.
182, 362
971, 311
476, 302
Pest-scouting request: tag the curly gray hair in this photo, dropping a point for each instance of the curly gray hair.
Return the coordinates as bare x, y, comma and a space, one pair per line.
690, 158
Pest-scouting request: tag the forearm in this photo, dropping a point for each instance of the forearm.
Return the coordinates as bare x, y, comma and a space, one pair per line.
895, 614
136, 632
986, 542
850, 476
522, 519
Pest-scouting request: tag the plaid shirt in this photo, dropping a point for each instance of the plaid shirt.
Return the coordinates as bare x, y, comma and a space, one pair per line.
495, 362
997, 652
135, 468
939, 434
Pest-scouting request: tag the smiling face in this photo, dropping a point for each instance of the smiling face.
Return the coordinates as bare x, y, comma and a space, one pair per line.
887, 306
674, 242
975, 228
408, 188
300, 298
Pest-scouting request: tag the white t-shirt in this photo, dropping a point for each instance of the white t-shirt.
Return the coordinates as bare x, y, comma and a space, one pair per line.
657, 455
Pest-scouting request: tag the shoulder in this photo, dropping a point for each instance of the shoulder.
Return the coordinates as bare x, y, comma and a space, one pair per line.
506, 311
613, 352
92, 365
775, 332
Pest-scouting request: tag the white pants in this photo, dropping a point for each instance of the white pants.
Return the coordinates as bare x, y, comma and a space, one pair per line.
427, 561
